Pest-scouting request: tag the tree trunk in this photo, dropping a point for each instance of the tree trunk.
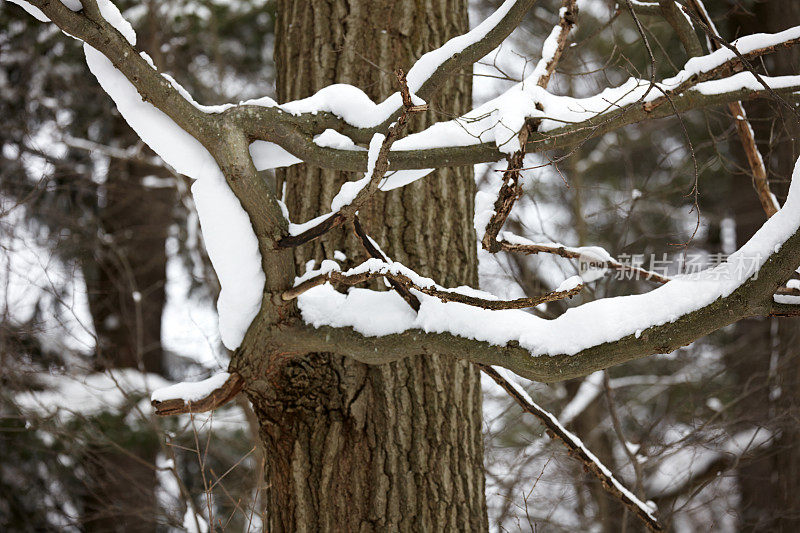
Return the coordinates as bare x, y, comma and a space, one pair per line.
394, 447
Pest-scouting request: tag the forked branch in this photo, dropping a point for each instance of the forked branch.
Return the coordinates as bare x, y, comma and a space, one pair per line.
373, 177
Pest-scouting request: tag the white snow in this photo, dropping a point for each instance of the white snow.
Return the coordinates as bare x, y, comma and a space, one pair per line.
349, 190
429, 62
333, 139
269, 155
788, 299
569, 284
190, 392
401, 178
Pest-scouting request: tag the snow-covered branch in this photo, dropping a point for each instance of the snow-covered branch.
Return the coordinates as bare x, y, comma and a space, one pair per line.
407, 278
486, 133
376, 327
198, 397
223, 147
352, 195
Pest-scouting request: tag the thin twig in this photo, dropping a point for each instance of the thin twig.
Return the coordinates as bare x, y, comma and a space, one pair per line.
376, 253
744, 131
571, 253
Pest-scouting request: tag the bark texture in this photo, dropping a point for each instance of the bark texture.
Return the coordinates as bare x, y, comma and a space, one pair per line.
395, 447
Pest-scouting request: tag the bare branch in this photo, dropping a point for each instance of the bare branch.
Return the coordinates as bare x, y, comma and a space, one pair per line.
682, 26
575, 253
374, 252
509, 193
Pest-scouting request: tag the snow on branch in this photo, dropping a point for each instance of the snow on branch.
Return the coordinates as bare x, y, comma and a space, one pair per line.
214, 146
185, 136
722, 63
349, 110
490, 130
197, 397
586, 338
408, 279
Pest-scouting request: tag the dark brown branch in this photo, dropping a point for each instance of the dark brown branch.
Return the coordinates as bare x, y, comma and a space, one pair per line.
509, 193
214, 400
374, 252
556, 431
403, 283
784, 310
569, 13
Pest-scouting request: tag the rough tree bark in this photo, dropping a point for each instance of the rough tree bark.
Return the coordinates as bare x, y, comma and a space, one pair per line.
352, 447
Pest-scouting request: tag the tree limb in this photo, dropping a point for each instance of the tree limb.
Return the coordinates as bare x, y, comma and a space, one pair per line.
388, 271
752, 298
